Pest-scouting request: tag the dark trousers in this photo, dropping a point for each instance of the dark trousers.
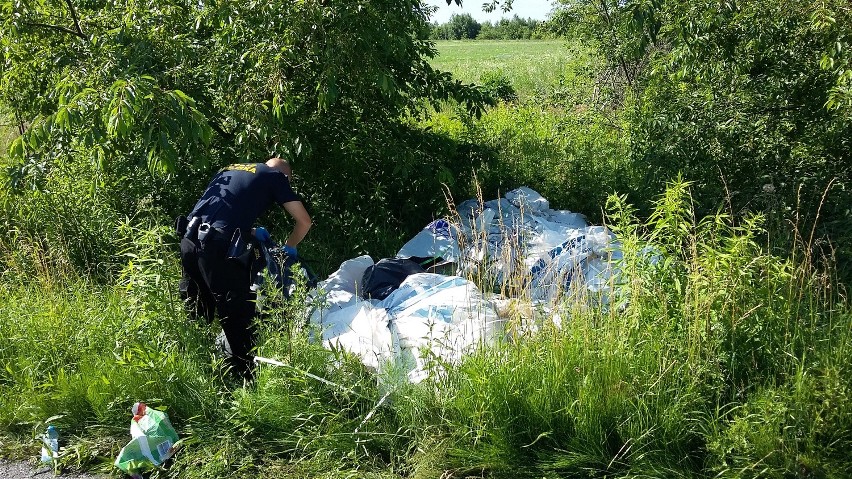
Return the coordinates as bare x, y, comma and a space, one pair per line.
213, 283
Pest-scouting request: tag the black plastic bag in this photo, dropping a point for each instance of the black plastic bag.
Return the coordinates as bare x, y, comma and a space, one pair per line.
381, 279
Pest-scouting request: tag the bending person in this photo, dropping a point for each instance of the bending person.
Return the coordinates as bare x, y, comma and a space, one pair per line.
215, 276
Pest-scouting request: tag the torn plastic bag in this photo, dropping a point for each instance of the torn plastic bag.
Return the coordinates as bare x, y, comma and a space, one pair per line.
361, 329
439, 239
586, 257
564, 218
528, 200
339, 290
348, 276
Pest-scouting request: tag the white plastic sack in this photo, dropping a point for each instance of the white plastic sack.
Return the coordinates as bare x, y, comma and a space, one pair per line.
341, 288
436, 240
565, 218
361, 329
348, 276
528, 200
585, 258
557, 248
553, 273
444, 315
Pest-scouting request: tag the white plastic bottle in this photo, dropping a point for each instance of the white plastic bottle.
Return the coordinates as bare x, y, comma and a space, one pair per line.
50, 449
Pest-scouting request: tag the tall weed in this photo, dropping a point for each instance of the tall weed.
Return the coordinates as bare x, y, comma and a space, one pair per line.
662, 380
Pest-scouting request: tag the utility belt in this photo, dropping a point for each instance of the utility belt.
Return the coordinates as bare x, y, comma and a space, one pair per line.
195, 229
200, 233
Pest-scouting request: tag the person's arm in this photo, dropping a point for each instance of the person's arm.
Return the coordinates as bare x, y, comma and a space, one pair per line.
303, 222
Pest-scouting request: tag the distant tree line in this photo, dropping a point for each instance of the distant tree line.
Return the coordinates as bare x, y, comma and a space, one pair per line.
464, 26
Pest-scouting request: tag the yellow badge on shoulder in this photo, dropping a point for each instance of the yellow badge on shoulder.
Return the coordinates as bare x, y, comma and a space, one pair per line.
250, 167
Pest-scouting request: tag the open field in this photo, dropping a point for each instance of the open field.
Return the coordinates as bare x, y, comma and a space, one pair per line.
533, 66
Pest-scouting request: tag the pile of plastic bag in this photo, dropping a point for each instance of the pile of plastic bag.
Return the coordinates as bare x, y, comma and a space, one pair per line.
518, 238
428, 315
513, 245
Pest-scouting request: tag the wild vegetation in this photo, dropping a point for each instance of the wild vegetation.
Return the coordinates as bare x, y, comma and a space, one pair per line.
465, 27
715, 134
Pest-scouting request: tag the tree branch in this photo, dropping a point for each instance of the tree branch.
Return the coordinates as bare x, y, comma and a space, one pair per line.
56, 28
75, 18
22, 128
611, 24
218, 129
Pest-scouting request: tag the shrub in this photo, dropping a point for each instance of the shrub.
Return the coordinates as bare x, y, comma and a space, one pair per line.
497, 84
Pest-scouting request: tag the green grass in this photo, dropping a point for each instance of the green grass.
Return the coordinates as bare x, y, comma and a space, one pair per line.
533, 66
717, 360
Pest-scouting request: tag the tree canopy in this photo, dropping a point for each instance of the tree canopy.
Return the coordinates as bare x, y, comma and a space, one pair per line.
153, 96
749, 99
174, 81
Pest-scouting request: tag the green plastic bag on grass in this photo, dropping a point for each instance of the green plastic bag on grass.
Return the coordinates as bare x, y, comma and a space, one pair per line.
154, 441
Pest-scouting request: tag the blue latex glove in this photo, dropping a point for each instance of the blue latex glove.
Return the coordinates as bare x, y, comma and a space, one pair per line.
289, 251
261, 234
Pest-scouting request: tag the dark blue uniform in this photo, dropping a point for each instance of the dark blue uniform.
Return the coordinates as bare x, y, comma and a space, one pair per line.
240, 193
214, 281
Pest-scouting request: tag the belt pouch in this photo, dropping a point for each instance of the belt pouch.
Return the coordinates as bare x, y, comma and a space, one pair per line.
240, 250
180, 225
192, 228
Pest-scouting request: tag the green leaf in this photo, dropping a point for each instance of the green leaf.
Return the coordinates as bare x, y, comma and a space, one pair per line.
17, 148
62, 118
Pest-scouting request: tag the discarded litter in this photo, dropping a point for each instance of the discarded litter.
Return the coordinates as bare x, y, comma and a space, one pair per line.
382, 278
154, 441
396, 318
50, 446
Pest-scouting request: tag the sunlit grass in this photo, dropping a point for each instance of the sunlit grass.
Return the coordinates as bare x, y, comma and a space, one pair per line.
533, 66
8, 132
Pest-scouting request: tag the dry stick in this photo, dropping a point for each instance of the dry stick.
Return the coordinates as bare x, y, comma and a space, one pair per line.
55, 27
21, 126
373, 411
77, 31
819, 210
728, 197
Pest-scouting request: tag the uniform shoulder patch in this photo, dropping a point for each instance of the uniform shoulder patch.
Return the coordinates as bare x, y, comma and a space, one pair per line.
250, 167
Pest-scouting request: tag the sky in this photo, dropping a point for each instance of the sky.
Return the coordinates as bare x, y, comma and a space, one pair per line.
536, 9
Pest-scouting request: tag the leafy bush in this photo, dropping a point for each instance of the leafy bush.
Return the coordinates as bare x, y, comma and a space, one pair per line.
498, 85
746, 99
576, 162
